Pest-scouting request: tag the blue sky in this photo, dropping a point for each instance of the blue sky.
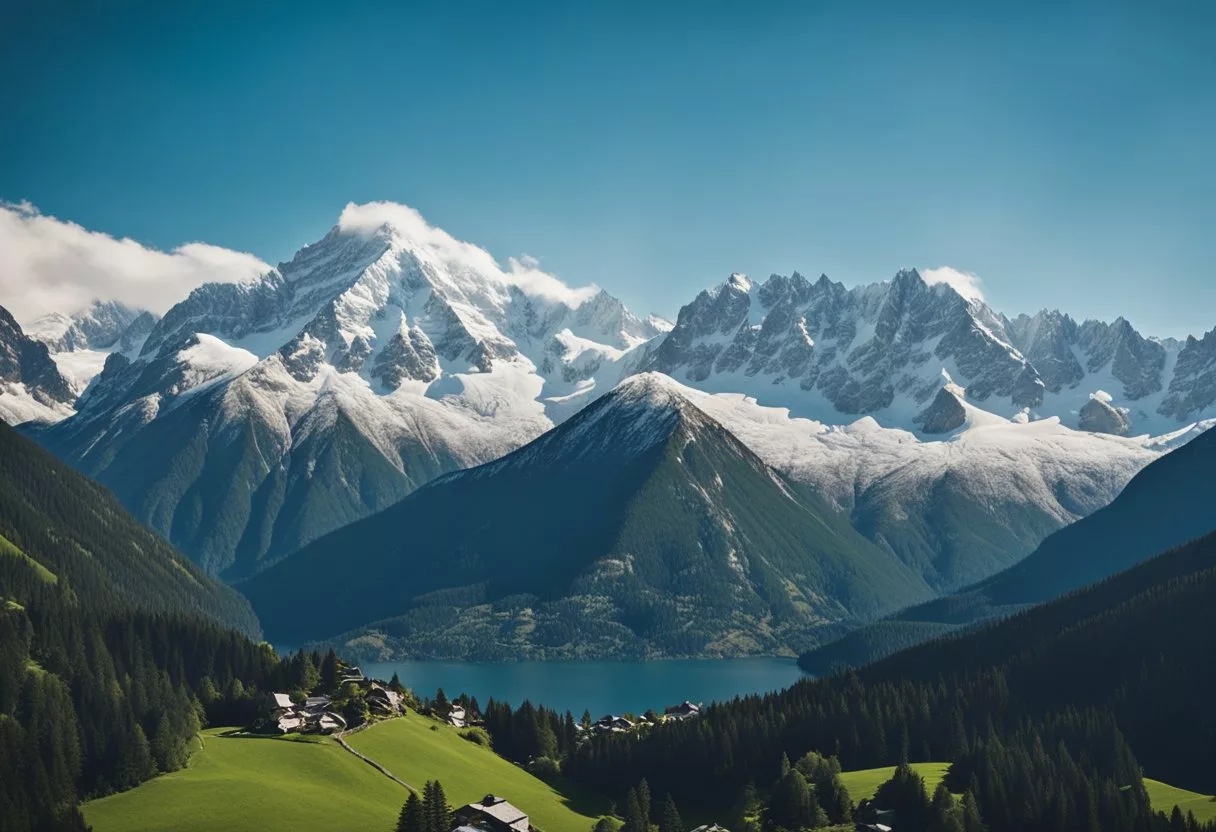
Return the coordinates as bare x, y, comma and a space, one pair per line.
1063, 152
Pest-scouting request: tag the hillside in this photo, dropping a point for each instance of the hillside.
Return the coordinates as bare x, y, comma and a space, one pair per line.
417, 749
1122, 670
74, 529
640, 527
244, 783
1165, 505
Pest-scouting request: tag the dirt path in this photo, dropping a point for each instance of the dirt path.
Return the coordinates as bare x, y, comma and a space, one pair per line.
342, 742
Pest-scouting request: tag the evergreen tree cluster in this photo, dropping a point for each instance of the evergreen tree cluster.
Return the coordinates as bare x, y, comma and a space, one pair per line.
1047, 717
98, 699
428, 813
530, 733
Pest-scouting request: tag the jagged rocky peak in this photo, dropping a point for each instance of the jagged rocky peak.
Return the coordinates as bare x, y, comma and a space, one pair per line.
1192, 390
100, 326
1047, 340
1136, 361
1100, 416
946, 412
31, 386
861, 349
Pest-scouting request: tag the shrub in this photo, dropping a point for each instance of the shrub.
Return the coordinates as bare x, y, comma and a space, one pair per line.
477, 736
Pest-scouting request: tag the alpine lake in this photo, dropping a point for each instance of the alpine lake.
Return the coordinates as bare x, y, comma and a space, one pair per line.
601, 687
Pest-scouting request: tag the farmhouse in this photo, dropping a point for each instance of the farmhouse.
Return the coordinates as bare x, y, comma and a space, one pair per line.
687, 710
613, 723
711, 827
457, 717
493, 814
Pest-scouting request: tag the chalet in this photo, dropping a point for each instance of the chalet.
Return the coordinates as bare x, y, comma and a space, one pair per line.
711, 827
613, 723
493, 814
457, 716
282, 702
351, 674
687, 710
384, 700
289, 723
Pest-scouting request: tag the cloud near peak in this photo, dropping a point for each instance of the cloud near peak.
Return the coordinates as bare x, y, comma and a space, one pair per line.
51, 265
524, 271
967, 284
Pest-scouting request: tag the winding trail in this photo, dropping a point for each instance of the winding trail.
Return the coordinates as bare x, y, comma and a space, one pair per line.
340, 738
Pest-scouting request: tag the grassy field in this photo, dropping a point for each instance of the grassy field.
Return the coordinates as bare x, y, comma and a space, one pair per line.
1165, 797
863, 784
241, 784
238, 784
415, 753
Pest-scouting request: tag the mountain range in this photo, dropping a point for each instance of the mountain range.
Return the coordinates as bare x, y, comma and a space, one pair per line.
1164, 506
640, 527
256, 417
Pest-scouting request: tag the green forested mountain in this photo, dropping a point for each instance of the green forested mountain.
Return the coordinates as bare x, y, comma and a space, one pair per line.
1048, 716
77, 534
113, 647
639, 527
1167, 504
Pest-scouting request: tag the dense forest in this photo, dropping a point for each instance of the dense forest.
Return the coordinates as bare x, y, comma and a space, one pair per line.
114, 649
1047, 716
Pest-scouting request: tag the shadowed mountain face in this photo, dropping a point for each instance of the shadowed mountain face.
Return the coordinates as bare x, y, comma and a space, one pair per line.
31, 387
640, 527
78, 535
1167, 504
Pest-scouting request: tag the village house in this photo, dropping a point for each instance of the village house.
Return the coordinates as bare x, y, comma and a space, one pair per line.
493, 814
314, 715
686, 710
384, 701
613, 723
711, 827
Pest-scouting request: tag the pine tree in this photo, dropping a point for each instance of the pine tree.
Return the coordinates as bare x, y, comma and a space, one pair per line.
791, 805
413, 816
645, 803
635, 817
972, 822
944, 813
669, 820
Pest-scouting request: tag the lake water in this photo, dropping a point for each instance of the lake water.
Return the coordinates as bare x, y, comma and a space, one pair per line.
600, 687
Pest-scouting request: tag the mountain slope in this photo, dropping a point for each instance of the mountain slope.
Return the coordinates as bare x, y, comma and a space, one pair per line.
31, 386
1165, 505
955, 506
71, 529
638, 527
258, 416
81, 342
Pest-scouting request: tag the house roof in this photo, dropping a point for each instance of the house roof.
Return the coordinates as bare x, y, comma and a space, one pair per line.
282, 700
499, 809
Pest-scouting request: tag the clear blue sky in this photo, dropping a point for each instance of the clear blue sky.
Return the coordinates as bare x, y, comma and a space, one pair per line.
1066, 155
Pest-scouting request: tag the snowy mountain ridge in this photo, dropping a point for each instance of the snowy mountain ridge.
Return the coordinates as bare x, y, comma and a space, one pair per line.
257, 415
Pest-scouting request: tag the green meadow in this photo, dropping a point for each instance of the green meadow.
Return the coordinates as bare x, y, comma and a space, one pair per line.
243, 784
1165, 797
253, 783
863, 784
418, 749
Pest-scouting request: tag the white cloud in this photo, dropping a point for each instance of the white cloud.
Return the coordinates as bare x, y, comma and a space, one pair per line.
49, 265
965, 283
524, 272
